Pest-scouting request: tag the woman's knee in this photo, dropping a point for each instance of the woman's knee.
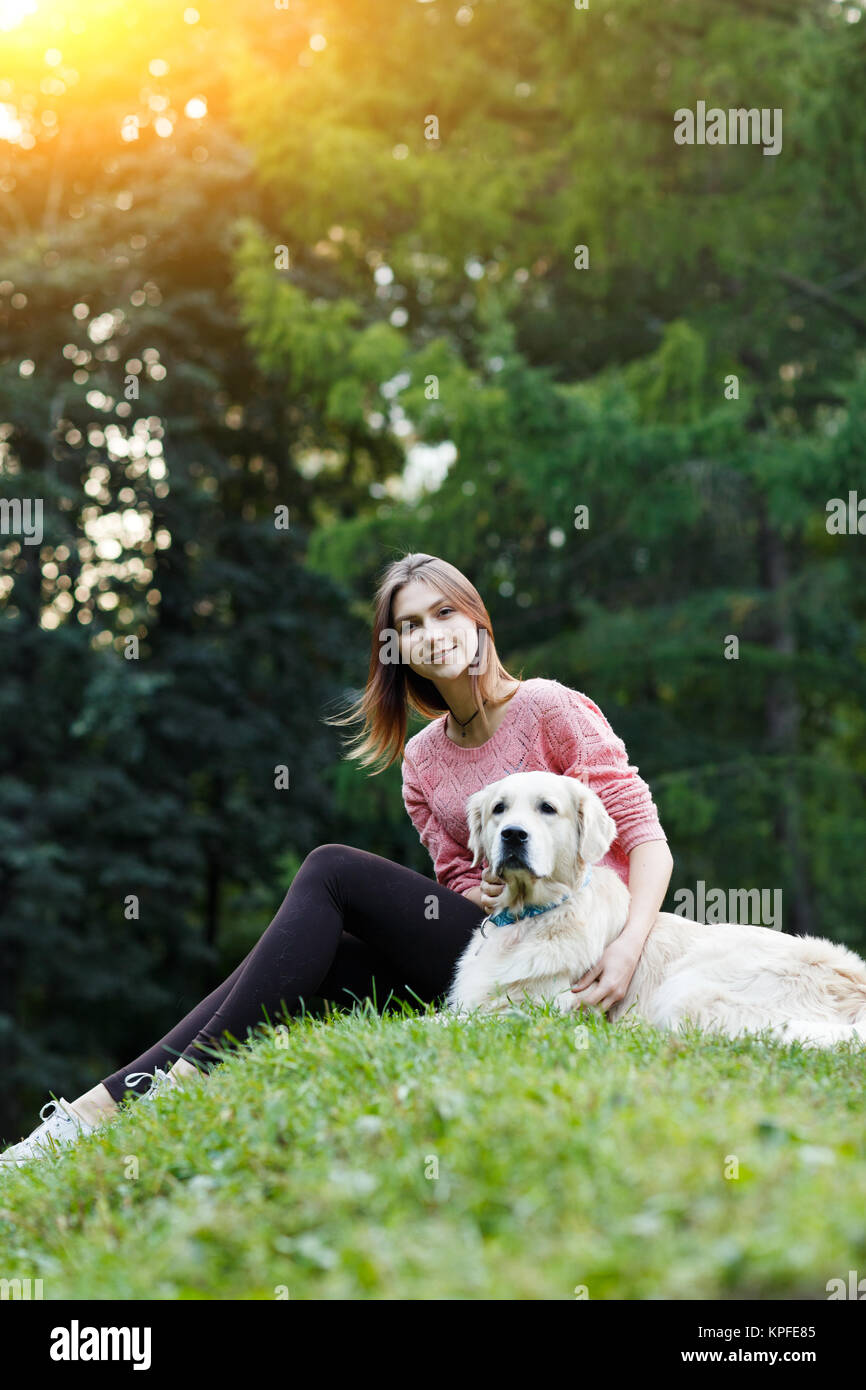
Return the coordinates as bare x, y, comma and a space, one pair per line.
327, 854
332, 861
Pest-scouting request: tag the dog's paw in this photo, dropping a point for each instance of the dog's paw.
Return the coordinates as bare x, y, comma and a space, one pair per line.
568, 1002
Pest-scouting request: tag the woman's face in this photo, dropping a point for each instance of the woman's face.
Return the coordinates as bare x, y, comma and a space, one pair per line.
436, 640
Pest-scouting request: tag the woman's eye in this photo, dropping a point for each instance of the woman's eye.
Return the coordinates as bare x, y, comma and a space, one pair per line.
548, 809
410, 622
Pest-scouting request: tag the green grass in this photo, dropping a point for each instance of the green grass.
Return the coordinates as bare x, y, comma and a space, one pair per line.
568, 1155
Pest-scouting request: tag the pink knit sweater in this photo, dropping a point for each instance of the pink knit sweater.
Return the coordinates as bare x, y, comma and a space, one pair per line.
546, 726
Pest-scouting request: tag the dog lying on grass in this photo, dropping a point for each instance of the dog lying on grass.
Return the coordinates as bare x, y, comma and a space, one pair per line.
544, 835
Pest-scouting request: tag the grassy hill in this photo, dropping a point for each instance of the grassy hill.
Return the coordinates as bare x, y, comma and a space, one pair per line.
530, 1157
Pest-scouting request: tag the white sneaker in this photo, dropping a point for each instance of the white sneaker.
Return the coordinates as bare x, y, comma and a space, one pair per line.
161, 1081
59, 1130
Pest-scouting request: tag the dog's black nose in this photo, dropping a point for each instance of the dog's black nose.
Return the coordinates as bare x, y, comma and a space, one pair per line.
513, 835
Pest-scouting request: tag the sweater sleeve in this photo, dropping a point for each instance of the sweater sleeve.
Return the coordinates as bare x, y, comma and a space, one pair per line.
582, 744
452, 862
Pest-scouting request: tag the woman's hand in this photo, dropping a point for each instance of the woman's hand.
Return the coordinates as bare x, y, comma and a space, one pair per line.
491, 890
607, 982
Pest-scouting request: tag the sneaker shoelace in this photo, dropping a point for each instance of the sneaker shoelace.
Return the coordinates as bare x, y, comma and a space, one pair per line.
159, 1079
64, 1122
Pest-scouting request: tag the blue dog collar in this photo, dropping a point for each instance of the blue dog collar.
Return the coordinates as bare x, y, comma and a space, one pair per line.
506, 917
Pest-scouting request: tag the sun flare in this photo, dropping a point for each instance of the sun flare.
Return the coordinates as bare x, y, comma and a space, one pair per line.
13, 12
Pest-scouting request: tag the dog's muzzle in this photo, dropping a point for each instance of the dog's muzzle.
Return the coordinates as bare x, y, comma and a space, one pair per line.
513, 841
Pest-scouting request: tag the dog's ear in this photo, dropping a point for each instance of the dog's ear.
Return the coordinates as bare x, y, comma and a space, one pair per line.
474, 819
596, 829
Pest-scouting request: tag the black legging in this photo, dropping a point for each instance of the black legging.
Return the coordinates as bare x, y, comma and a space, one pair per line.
352, 924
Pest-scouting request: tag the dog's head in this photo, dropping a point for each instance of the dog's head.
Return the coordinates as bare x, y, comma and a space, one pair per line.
536, 828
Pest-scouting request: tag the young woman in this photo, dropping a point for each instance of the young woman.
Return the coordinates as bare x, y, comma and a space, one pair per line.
354, 925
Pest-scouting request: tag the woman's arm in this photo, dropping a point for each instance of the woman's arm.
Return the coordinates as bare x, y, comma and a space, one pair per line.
649, 872
650, 866
452, 862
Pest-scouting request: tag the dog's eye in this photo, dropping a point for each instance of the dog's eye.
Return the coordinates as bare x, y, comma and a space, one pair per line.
548, 809
500, 806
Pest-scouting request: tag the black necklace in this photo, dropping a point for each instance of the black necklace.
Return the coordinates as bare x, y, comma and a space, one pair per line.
464, 725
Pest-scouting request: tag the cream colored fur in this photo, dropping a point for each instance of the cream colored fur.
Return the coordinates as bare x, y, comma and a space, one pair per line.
725, 978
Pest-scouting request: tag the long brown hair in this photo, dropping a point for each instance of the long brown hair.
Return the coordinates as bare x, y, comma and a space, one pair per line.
393, 687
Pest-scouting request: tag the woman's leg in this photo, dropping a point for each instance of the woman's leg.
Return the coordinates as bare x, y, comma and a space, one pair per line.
168, 1049
351, 922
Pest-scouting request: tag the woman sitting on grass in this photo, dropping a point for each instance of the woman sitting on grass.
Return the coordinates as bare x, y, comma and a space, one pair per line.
355, 924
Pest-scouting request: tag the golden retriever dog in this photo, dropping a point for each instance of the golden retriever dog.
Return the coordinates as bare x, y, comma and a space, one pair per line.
543, 835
